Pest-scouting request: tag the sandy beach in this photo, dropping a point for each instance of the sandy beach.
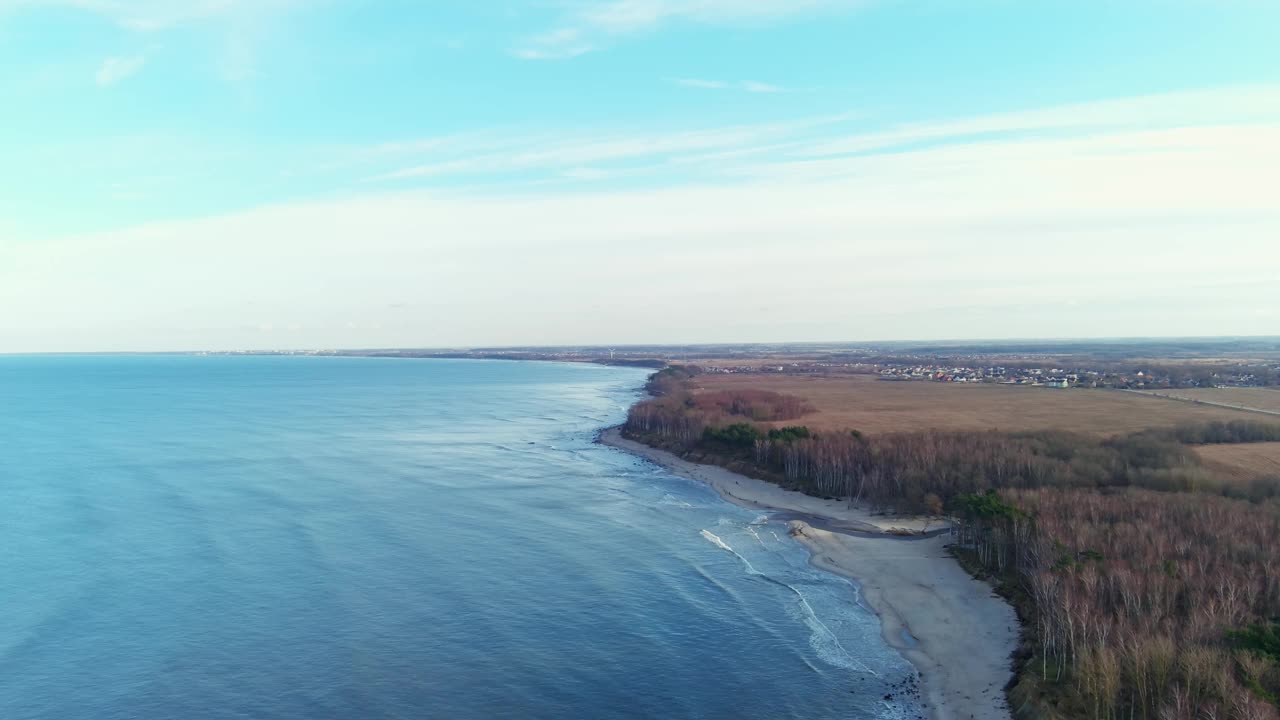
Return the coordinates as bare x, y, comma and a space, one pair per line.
952, 627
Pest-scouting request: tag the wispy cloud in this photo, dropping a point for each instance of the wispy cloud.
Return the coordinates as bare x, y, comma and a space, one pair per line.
751, 86
1241, 106
704, 84
585, 174
1135, 134
628, 16
477, 156
558, 44
972, 237
156, 15
114, 69
596, 23
569, 154
238, 26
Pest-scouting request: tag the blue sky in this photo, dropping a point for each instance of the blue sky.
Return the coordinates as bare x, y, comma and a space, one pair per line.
293, 173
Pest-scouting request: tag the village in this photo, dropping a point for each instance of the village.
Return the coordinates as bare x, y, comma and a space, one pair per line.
1152, 378
1026, 370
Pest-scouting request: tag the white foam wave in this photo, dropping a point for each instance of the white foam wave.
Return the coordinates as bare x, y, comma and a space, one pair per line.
715, 540
821, 638
670, 499
825, 642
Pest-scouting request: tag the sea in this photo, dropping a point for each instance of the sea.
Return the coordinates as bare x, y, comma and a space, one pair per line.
298, 537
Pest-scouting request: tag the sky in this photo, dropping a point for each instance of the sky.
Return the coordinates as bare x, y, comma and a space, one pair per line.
270, 174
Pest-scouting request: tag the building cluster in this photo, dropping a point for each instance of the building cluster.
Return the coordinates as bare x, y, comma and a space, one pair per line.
1005, 370
1101, 376
1138, 379
793, 368
1036, 377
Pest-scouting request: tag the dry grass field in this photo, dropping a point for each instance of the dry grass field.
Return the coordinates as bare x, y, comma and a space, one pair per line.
1243, 461
871, 405
1263, 399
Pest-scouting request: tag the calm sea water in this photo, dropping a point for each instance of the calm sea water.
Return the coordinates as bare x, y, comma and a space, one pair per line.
280, 537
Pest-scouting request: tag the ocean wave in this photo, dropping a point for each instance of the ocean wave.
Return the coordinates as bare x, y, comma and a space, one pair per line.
670, 499
825, 642
822, 639
281, 524
715, 540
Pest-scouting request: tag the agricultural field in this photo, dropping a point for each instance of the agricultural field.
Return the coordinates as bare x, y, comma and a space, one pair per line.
1261, 400
866, 403
1243, 461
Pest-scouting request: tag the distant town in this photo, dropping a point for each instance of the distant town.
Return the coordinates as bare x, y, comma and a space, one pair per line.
1153, 378
1139, 364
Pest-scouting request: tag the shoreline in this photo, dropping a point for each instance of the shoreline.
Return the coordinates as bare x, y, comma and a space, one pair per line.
952, 627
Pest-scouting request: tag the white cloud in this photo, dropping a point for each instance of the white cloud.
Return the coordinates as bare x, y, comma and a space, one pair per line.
114, 69
240, 26
1169, 228
556, 44
505, 155
593, 24
704, 84
585, 173
156, 15
750, 86
1243, 105
832, 147
628, 16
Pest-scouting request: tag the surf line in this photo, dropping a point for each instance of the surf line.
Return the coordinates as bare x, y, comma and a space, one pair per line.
804, 602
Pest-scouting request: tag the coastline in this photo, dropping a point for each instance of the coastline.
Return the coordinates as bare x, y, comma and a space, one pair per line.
952, 627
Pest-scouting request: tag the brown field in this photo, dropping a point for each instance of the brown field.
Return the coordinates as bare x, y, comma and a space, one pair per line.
763, 364
1243, 461
871, 405
1260, 399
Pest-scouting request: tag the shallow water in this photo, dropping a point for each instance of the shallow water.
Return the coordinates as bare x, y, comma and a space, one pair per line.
290, 537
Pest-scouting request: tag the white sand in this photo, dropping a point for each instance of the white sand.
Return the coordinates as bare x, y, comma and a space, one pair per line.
958, 633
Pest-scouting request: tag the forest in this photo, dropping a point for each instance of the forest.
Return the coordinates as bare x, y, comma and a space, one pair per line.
1148, 587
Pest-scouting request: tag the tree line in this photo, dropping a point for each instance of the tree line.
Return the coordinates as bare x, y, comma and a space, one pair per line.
898, 471
1147, 585
1141, 604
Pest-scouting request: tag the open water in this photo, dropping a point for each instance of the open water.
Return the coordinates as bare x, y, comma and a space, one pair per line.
300, 537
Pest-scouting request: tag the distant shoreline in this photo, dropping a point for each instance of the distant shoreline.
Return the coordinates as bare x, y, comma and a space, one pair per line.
950, 626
